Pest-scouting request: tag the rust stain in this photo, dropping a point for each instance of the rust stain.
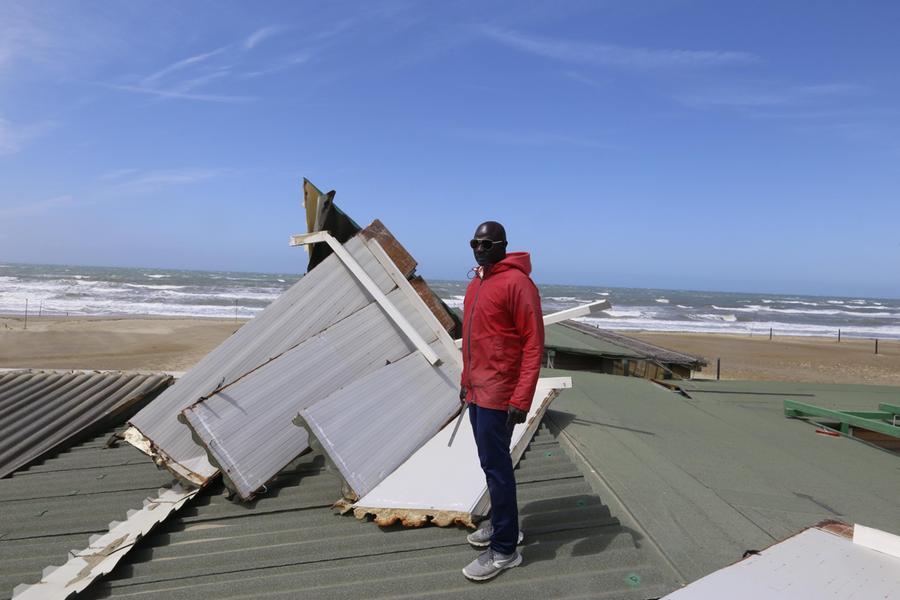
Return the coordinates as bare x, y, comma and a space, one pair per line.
385, 517
92, 560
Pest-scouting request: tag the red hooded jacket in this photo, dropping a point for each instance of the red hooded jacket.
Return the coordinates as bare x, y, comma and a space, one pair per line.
503, 335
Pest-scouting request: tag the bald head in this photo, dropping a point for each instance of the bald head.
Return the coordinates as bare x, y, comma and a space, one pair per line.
489, 243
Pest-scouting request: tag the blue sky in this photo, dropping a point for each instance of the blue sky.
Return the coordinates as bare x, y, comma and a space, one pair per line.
748, 146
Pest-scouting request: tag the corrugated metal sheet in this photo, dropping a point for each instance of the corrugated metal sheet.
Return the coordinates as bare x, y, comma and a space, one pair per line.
247, 426
371, 426
54, 506
444, 484
41, 410
812, 564
628, 345
290, 545
322, 297
105, 550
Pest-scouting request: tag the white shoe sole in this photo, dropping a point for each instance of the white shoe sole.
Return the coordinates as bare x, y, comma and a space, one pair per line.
488, 543
513, 563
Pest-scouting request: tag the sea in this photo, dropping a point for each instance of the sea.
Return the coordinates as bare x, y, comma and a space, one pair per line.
52, 290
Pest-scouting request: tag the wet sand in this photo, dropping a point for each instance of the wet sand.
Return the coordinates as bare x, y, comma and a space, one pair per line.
176, 344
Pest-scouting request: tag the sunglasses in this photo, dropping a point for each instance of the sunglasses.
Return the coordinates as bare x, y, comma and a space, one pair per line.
486, 244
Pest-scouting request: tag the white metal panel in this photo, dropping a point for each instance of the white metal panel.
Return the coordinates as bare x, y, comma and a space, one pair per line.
371, 426
246, 426
446, 484
876, 539
104, 551
322, 297
811, 564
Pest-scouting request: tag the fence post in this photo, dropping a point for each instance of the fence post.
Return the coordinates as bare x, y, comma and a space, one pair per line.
876, 345
839, 336
718, 368
770, 333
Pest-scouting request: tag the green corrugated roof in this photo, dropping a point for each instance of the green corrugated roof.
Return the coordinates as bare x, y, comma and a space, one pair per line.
289, 543
709, 477
563, 338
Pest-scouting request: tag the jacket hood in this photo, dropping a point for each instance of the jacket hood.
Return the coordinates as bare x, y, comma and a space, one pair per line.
514, 260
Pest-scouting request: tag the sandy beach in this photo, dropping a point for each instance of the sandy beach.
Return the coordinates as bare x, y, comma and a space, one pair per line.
176, 344
813, 359
126, 343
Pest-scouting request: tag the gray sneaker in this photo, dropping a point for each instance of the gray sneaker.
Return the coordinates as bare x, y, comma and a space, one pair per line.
481, 538
490, 563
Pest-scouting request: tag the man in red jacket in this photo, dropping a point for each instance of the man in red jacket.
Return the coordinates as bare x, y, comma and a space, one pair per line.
503, 343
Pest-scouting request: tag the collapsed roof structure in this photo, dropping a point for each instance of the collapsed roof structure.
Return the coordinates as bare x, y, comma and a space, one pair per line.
627, 489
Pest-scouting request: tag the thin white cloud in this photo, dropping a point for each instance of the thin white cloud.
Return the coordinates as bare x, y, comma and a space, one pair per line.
611, 55
526, 138
14, 137
116, 174
283, 64
32, 209
767, 95
174, 94
190, 61
255, 38
133, 181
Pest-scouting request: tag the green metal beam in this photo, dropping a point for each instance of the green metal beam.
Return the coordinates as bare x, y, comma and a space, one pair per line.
894, 409
794, 409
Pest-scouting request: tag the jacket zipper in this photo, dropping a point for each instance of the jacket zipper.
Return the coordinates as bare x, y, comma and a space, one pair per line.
469, 335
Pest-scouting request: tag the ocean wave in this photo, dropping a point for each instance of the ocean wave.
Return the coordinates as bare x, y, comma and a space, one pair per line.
150, 286
157, 276
602, 293
566, 299
683, 306
728, 318
662, 300
621, 313
758, 328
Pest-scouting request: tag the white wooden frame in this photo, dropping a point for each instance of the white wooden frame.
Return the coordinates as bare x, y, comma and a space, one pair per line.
371, 287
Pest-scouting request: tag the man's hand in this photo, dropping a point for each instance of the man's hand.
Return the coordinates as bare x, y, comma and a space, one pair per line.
514, 416
462, 396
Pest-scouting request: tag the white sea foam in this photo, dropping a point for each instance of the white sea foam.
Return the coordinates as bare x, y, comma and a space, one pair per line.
150, 286
662, 300
619, 313
683, 306
729, 318
156, 276
780, 328
454, 301
602, 293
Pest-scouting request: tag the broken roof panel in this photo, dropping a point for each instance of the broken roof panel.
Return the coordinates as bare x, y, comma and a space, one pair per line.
55, 505
444, 483
246, 426
43, 410
320, 298
371, 426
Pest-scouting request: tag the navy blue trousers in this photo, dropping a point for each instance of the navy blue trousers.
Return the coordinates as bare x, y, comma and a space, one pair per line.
492, 437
